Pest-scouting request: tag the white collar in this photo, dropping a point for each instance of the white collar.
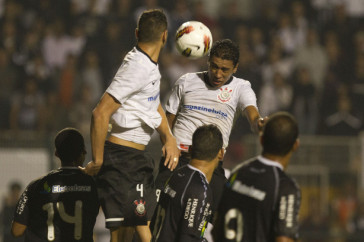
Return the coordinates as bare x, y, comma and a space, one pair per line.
270, 162
194, 168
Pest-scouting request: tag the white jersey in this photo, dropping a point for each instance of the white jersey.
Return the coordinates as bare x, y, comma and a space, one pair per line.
197, 103
136, 86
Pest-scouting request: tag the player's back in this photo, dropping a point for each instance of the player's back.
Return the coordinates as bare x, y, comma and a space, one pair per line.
62, 206
184, 207
251, 209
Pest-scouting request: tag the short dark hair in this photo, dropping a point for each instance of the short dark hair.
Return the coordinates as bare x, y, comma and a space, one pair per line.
151, 24
206, 142
70, 145
226, 50
279, 134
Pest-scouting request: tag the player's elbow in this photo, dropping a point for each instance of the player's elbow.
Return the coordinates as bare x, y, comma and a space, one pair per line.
18, 229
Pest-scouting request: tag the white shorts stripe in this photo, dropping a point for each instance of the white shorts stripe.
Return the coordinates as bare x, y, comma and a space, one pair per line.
114, 219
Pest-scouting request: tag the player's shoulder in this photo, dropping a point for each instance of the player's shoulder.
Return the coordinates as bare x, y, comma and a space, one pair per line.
193, 77
196, 181
243, 165
137, 58
240, 82
288, 183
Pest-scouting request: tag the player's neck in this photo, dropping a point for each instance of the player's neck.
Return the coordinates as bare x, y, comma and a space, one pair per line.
283, 160
151, 49
205, 167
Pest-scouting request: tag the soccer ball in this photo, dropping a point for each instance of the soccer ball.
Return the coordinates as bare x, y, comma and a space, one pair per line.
193, 39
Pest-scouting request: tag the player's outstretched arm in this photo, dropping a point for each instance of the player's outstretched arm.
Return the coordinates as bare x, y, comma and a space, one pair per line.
18, 229
256, 122
170, 149
99, 127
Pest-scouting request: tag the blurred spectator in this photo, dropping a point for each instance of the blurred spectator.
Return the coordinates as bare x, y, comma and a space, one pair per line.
314, 227
80, 114
343, 121
27, 107
345, 203
304, 103
91, 75
8, 85
356, 225
275, 96
68, 82
55, 116
56, 45
230, 18
7, 211
36, 67
112, 47
357, 83
276, 63
199, 14
249, 68
257, 43
313, 56
287, 34
180, 14
300, 21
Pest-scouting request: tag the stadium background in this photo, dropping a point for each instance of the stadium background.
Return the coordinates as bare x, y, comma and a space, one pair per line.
307, 57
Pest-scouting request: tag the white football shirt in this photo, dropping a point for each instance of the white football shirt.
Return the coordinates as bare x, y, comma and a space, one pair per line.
197, 103
136, 86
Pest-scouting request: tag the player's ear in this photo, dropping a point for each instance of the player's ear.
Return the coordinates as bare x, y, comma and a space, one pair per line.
164, 36
56, 153
221, 154
235, 68
136, 33
296, 145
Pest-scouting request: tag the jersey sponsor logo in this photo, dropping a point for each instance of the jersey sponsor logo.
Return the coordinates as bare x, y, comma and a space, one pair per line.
22, 203
140, 207
190, 211
206, 214
46, 188
205, 109
74, 188
225, 94
286, 209
248, 191
168, 190
151, 99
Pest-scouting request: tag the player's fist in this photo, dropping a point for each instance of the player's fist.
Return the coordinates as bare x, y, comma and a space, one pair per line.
92, 168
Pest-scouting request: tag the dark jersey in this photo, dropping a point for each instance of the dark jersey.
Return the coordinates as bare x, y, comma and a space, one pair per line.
260, 202
184, 207
61, 206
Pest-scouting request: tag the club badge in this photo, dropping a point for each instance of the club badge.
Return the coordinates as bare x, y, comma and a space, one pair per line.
225, 94
140, 208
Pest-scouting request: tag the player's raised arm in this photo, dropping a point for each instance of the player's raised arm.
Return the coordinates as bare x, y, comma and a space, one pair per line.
99, 127
170, 149
256, 122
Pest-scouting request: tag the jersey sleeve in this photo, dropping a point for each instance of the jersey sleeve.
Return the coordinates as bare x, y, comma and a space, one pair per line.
196, 214
286, 218
175, 98
247, 96
21, 213
129, 79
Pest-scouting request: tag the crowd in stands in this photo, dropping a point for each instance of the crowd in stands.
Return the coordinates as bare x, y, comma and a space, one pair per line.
306, 57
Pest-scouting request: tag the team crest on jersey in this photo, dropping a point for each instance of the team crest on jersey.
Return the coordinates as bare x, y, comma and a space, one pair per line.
140, 207
225, 94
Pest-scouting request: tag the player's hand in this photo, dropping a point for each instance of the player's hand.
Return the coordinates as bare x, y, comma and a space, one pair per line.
92, 168
171, 153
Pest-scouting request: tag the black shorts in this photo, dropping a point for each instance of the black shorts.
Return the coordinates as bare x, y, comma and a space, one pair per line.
217, 183
126, 186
